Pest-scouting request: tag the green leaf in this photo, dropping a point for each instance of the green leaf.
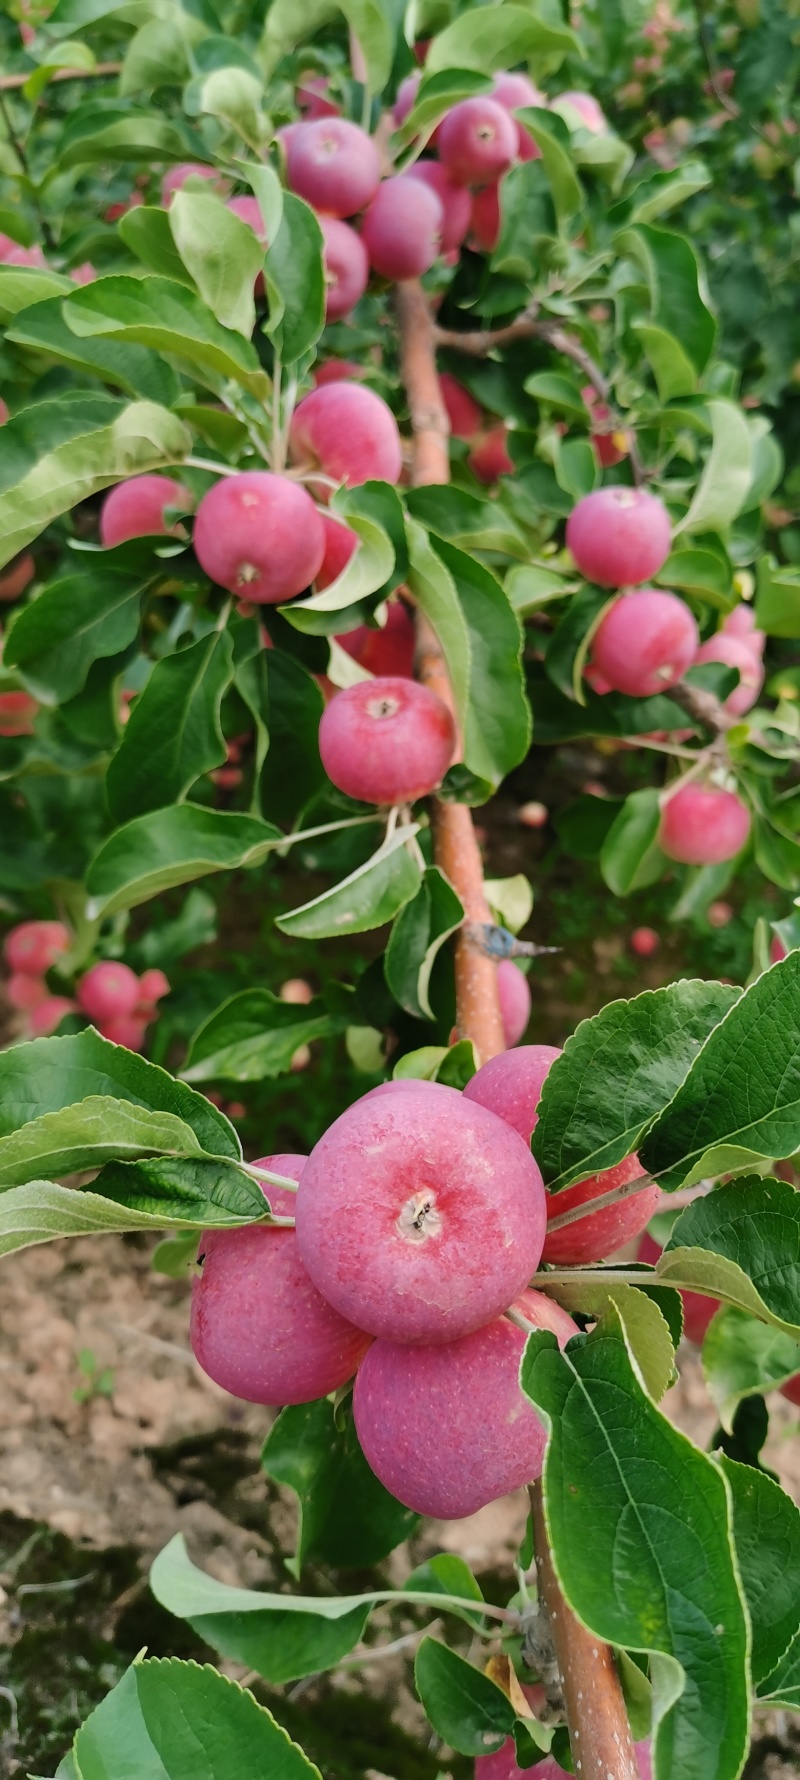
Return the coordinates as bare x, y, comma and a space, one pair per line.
372, 23
777, 598
371, 895
88, 1134
724, 484
103, 131
52, 1074
744, 1358
435, 593
617, 1072
162, 313
175, 1255
173, 846
766, 1531
204, 1191
288, 23
551, 135
78, 619
295, 278
742, 1243
146, 231
568, 648
782, 1687
499, 37
173, 733
630, 857
134, 369
418, 934
254, 1035
293, 772
635, 1584
469, 1711
345, 1516
468, 520
529, 586
510, 900
222, 255
704, 572
174, 1718
22, 286
369, 569
721, 1121
576, 466
233, 94
157, 56
497, 719
97, 441
557, 391
436, 95
663, 191
41, 1211
647, 1332
679, 335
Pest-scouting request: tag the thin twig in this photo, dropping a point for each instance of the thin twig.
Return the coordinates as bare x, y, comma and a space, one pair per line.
11, 82
590, 1206
703, 707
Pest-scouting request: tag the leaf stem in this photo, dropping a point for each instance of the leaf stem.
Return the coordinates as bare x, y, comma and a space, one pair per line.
205, 463
273, 1180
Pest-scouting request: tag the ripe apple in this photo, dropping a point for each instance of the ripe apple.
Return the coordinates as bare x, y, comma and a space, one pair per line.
260, 536
463, 412
600, 1233
447, 1429
489, 457
33, 947
644, 642
454, 199
485, 219
24, 992
48, 1015
387, 652
513, 92
259, 1327
17, 576
477, 141
349, 433
645, 942
406, 98
698, 1310
736, 652
386, 741
175, 178
619, 536
590, 113
402, 228
515, 1000
17, 712
108, 991
420, 1213
334, 165
701, 825
135, 509
346, 267
511, 1085
341, 542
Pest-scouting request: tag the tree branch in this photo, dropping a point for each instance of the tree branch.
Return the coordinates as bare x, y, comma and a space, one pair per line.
10, 82
456, 848
702, 707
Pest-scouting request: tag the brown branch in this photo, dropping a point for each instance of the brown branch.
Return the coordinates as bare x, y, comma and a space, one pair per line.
455, 845
702, 707
9, 82
598, 1724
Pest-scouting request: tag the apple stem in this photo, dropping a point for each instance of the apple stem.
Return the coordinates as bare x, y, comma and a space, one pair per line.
596, 1716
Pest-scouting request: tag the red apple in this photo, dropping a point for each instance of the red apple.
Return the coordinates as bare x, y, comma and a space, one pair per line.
136, 509
600, 1233
333, 165
619, 536
701, 825
349, 433
644, 642
260, 536
387, 740
511, 1085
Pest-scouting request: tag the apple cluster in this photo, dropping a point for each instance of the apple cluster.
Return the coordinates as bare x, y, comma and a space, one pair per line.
420, 1219
117, 1001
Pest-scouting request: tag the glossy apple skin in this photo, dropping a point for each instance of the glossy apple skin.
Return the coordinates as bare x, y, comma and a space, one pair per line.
477, 141
619, 537
421, 1214
135, 509
489, 459
387, 740
511, 1085
406, 98
260, 536
33, 946
346, 267
340, 544
702, 825
515, 1001
454, 199
108, 991
349, 433
600, 1233
485, 219
402, 228
514, 92
334, 165
447, 1429
644, 642
736, 652
463, 412
259, 1328
387, 652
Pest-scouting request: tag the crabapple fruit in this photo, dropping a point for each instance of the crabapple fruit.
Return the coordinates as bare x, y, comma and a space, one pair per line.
645, 942
489, 457
515, 1000
485, 219
741, 622
127, 1030
511, 1085
503, 1764
736, 652
347, 432
463, 411
421, 1215
477, 141
454, 199
386, 652
297, 991
644, 642
335, 370
24, 992
791, 1389
406, 98
260, 536
153, 986
777, 950
402, 228
108, 991
447, 1429
346, 267
17, 576
701, 825
698, 1310
387, 740
597, 1235
33, 947
513, 91
592, 117
619, 536
135, 509
340, 544
175, 178
48, 1014
259, 1327
334, 165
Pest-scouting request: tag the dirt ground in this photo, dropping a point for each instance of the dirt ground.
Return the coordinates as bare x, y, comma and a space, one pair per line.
90, 1491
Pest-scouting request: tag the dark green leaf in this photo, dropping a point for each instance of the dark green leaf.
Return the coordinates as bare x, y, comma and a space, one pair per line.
469, 1711
766, 1530
295, 281
254, 1035
102, 131
744, 1358
742, 1242
146, 231
173, 733
497, 726
630, 857
80, 618
568, 648
162, 313
136, 369
485, 42
346, 1517
173, 846
179, 1190
88, 1134
418, 934
221, 254
371, 895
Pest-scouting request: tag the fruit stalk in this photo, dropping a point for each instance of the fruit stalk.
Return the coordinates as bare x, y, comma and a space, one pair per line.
598, 1723
456, 848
